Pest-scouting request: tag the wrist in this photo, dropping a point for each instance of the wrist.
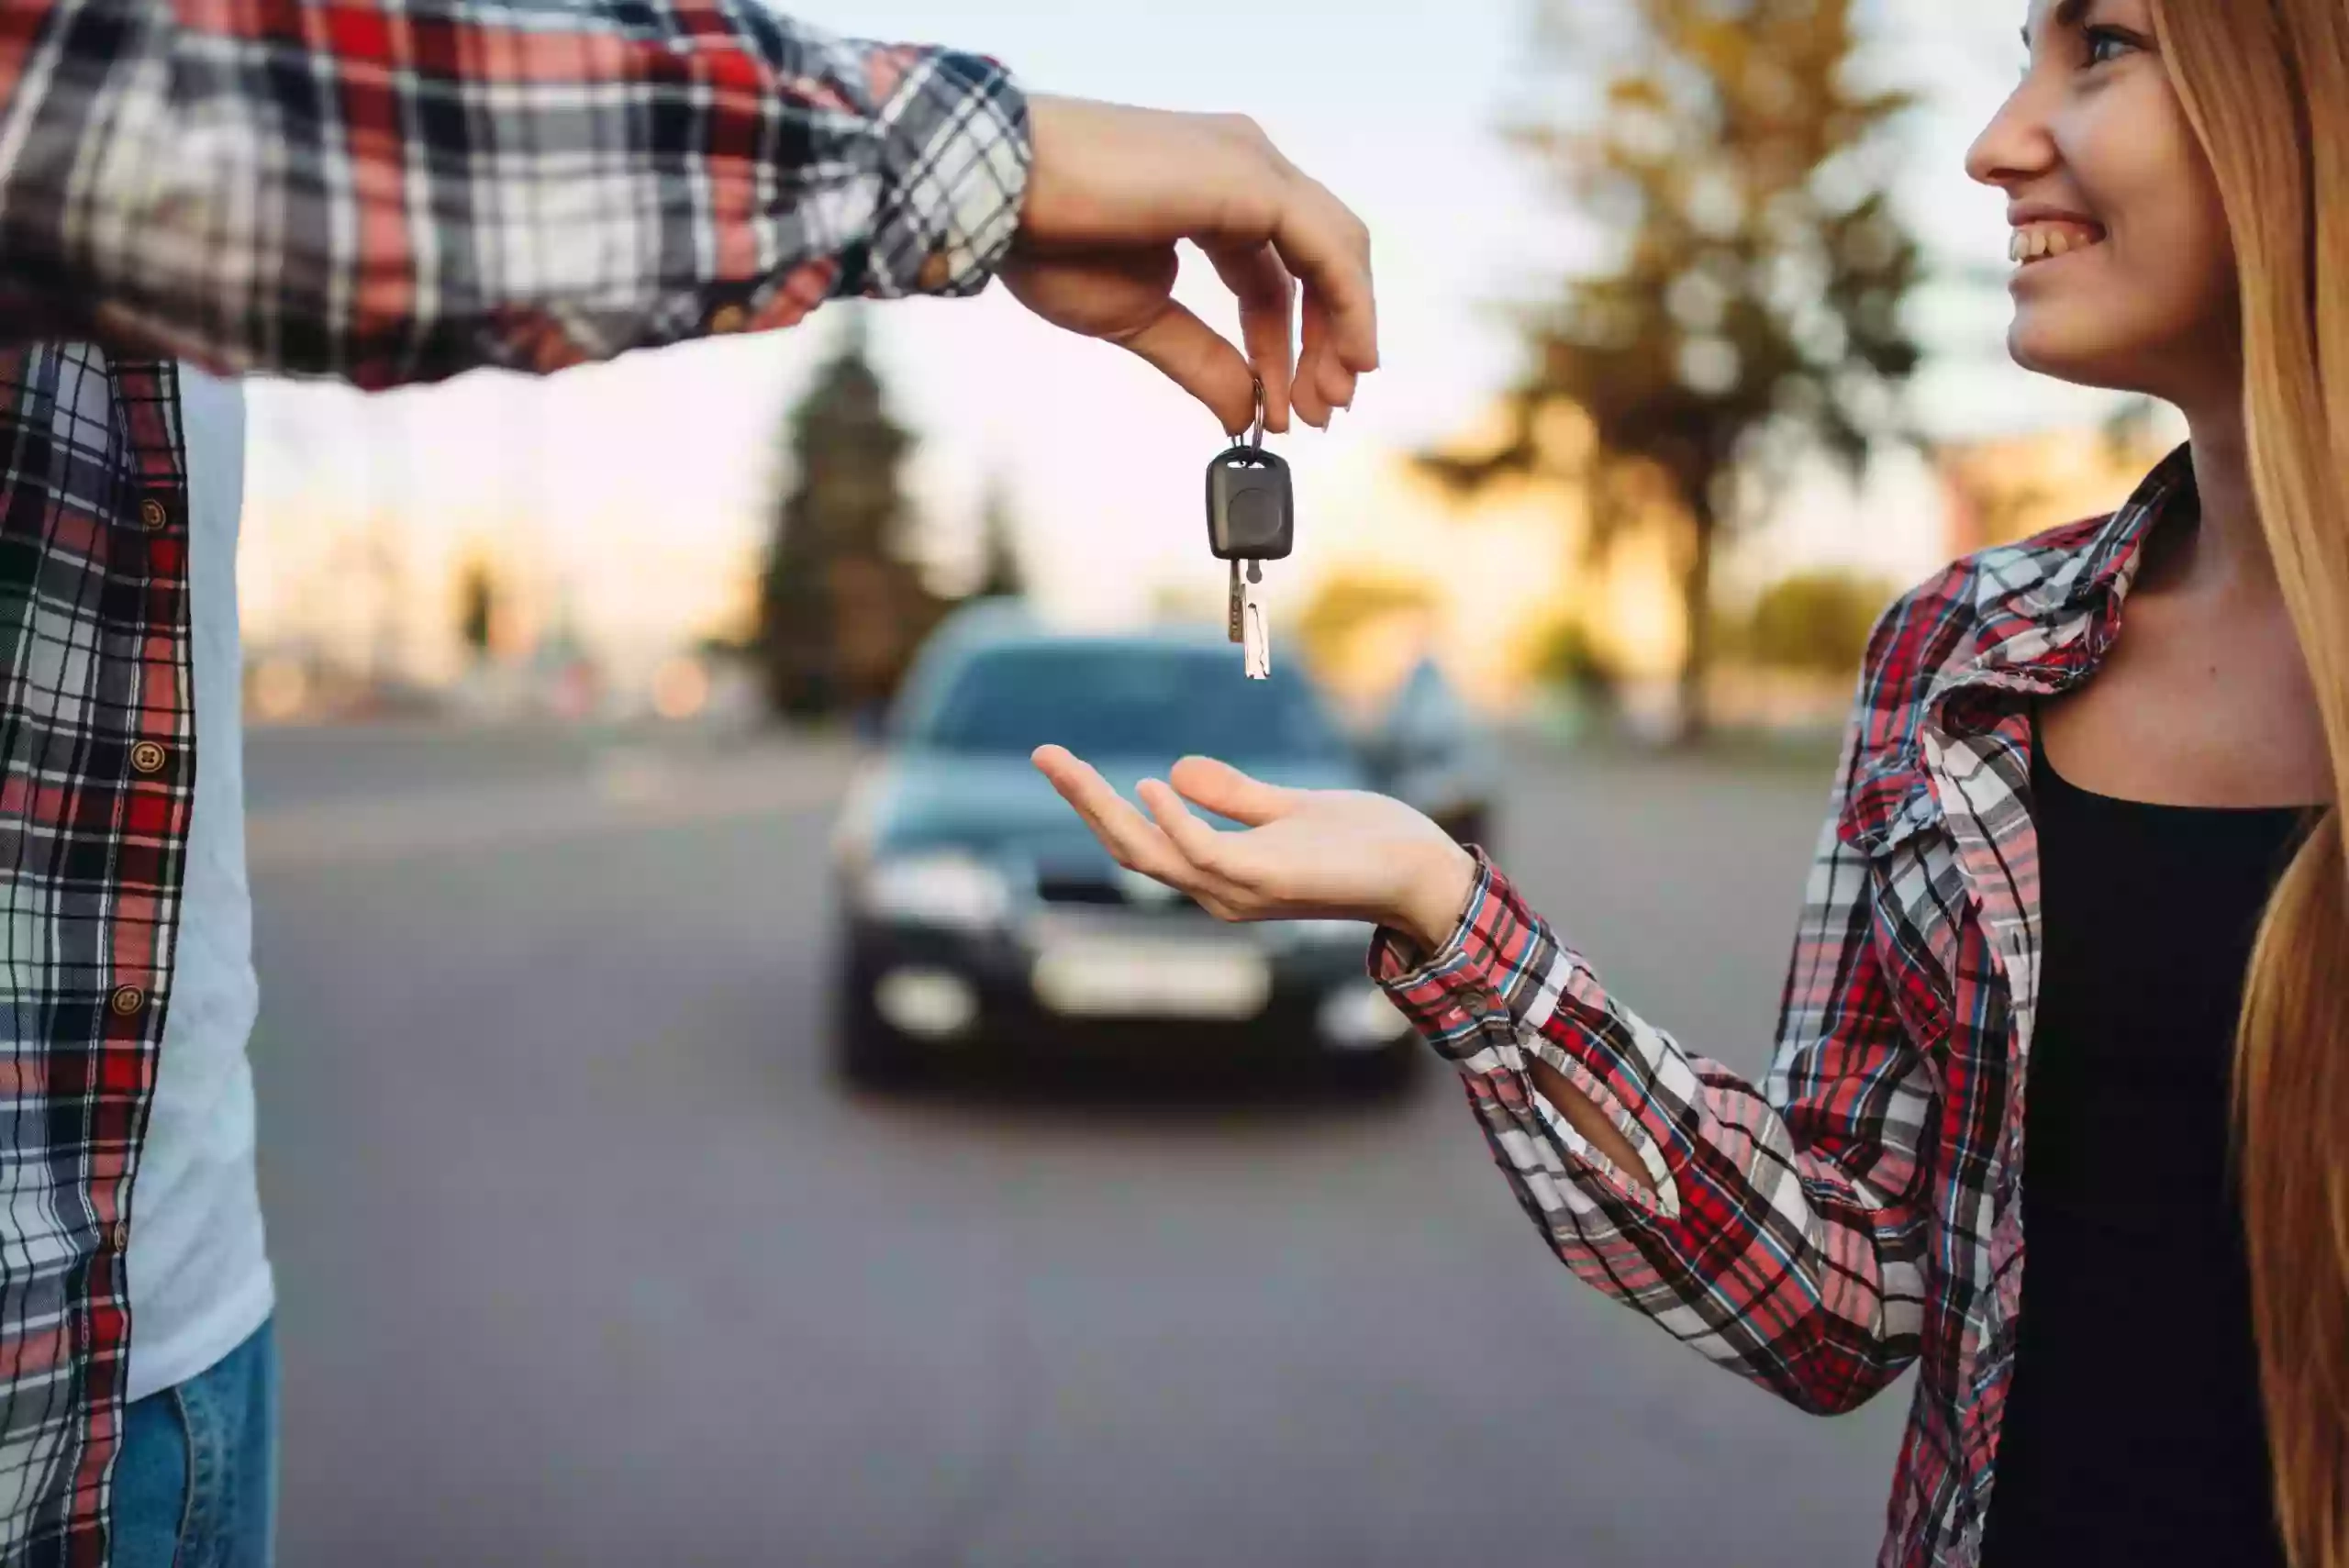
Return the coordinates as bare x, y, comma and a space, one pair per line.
1435, 898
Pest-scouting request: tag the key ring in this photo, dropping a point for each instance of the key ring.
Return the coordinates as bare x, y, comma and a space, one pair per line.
1256, 436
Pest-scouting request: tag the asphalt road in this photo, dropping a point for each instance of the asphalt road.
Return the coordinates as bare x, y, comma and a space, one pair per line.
585, 1260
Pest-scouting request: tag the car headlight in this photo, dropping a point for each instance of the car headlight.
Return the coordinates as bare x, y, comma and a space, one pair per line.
936, 890
1359, 1017
1333, 933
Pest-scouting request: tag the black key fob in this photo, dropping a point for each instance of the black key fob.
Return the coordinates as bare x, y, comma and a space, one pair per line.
1252, 513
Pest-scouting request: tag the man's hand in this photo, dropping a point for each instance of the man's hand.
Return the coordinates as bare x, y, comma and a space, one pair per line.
1113, 190
1305, 854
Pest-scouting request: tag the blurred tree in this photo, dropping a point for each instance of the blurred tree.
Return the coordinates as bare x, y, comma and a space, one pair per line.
1814, 622
1569, 660
842, 610
1750, 310
1351, 602
1002, 576
476, 610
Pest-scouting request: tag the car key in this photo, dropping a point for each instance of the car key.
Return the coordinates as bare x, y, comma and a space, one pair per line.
1250, 519
1256, 641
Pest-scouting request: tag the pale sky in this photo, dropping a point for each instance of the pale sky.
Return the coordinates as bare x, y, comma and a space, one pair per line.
646, 484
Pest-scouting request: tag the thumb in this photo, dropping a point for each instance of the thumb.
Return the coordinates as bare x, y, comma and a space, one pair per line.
1202, 362
1223, 789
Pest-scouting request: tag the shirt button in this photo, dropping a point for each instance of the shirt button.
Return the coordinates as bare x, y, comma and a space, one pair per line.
122, 1235
127, 1000
153, 515
148, 757
728, 319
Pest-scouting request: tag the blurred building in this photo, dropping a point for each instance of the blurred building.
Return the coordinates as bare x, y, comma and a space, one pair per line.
2010, 487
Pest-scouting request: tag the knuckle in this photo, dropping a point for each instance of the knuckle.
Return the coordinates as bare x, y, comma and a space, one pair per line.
1245, 128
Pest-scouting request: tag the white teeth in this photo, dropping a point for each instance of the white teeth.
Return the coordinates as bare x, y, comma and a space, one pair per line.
2043, 244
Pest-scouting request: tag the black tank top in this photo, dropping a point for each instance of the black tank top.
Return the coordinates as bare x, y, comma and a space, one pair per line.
2134, 1431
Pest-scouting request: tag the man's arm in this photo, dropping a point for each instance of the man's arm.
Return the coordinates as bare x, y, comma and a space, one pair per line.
389, 192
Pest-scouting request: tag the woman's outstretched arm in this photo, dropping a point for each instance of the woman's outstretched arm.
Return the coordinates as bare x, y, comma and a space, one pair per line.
1780, 1228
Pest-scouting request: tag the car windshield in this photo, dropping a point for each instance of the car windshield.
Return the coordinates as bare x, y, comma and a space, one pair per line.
1108, 700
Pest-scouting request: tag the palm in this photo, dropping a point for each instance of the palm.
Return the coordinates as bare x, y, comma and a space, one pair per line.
1299, 854
1336, 853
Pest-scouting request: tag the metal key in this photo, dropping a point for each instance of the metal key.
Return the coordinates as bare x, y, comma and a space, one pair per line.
1256, 641
1250, 519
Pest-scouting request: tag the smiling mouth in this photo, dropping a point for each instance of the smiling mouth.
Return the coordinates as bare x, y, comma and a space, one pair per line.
2036, 242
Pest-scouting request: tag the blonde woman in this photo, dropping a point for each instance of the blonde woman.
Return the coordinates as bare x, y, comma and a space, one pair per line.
2060, 1112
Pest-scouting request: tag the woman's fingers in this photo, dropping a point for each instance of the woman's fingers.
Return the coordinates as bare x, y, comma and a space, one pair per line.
1199, 844
1137, 842
1124, 831
1223, 789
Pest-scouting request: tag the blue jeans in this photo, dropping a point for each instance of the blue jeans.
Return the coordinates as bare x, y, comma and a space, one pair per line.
195, 1482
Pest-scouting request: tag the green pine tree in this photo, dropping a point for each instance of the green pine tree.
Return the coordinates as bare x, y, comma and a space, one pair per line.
840, 608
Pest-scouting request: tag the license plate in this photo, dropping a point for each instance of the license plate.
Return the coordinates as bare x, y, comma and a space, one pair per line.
1099, 978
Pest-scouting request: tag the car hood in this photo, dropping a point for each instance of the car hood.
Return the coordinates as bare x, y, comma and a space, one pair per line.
913, 800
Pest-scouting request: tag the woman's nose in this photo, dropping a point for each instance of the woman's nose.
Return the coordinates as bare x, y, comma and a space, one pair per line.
2018, 145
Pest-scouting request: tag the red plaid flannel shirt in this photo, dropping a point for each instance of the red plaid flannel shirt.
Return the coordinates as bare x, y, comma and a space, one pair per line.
385, 191
1860, 1211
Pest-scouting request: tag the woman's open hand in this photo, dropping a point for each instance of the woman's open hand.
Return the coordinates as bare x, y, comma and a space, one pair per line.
1299, 854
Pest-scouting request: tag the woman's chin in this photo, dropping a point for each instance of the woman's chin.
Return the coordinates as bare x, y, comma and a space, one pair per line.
2067, 354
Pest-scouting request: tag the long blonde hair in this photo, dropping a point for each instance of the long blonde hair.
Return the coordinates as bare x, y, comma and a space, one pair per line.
2266, 83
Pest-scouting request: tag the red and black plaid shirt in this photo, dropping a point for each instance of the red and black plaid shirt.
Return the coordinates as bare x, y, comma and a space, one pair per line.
385, 191
1861, 1211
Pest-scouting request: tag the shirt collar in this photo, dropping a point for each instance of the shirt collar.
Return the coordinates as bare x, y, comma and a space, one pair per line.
2105, 568
2046, 613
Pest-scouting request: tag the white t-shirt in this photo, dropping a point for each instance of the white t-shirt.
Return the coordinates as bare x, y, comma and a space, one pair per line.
200, 1282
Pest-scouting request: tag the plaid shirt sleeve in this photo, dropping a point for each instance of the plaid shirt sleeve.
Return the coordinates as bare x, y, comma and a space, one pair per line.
391, 190
1784, 1236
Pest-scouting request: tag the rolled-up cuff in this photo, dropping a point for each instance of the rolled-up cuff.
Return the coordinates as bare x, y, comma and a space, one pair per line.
1445, 993
955, 154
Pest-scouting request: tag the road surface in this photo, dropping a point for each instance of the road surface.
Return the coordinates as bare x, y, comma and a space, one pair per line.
585, 1260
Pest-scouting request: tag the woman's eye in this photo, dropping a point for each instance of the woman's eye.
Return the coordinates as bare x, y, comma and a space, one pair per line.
2106, 46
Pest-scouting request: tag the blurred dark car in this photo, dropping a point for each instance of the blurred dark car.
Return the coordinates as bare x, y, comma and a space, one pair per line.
978, 918
1429, 750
